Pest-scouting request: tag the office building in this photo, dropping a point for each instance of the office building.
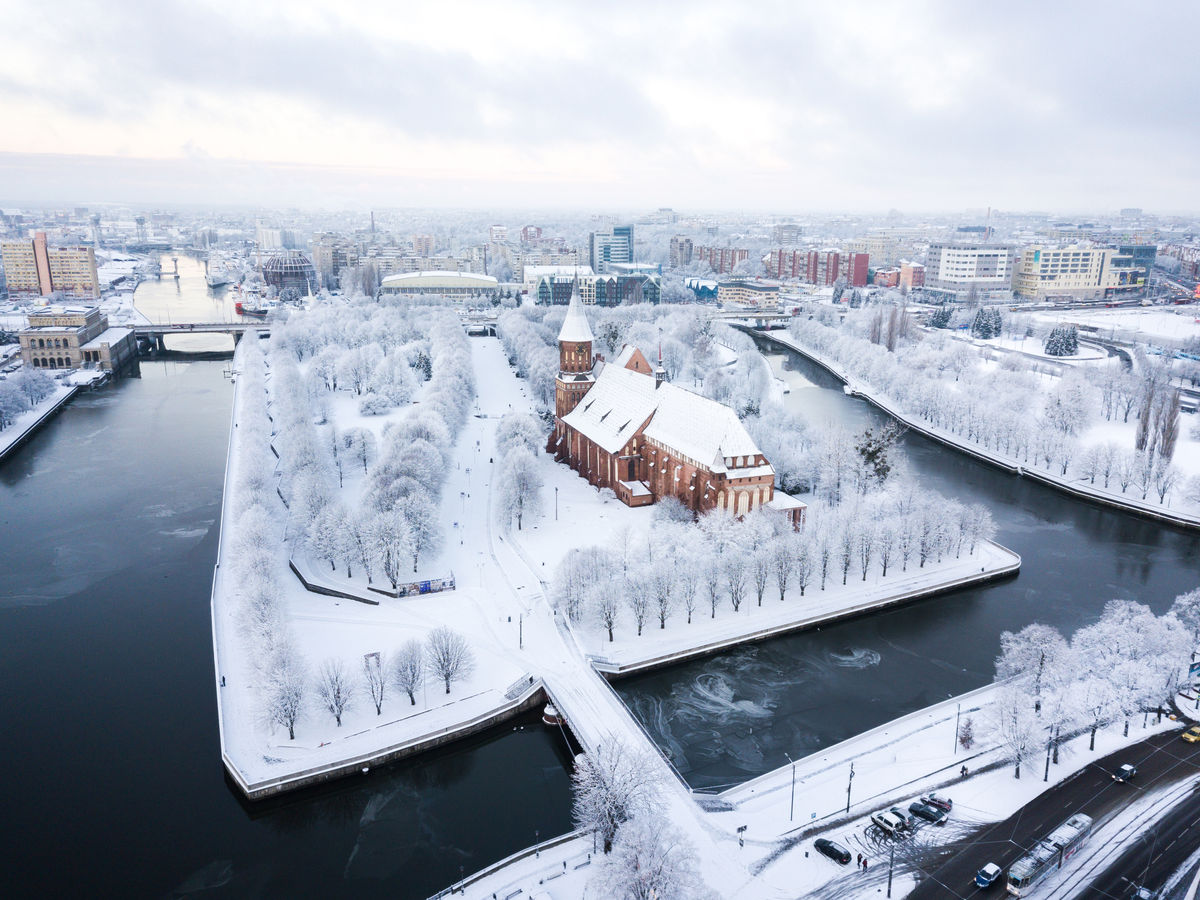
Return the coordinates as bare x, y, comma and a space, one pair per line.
748, 292
1076, 272
614, 245
956, 272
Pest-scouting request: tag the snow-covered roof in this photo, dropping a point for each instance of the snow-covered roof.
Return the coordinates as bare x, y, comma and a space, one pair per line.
575, 326
690, 425
700, 428
617, 405
624, 356
110, 336
782, 502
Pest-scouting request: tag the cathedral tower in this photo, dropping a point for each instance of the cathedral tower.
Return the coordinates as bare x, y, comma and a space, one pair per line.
574, 358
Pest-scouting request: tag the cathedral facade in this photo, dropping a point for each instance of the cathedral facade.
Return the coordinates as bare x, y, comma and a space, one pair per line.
623, 426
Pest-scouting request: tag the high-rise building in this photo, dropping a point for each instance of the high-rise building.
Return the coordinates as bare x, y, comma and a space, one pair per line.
422, 244
681, 251
956, 271
612, 246
33, 269
531, 233
498, 234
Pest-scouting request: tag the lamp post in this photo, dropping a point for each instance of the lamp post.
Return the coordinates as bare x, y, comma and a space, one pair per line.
792, 806
957, 716
849, 784
556, 504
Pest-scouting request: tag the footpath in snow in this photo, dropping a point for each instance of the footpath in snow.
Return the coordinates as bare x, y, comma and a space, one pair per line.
1077, 487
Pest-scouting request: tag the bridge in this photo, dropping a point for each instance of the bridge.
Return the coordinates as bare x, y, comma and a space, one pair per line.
155, 335
479, 321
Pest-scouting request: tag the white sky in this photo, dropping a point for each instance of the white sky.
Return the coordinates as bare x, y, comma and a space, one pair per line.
846, 105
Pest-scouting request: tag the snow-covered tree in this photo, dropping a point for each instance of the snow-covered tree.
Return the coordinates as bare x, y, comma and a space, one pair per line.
650, 860
283, 690
376, 676
408, 669
1015, 725
613, 784
334, 688
519, 487
449, 655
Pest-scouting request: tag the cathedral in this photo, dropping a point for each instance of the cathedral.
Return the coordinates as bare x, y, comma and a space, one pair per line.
623, 426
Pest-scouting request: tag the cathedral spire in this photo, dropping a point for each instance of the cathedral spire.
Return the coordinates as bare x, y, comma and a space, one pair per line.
575, 326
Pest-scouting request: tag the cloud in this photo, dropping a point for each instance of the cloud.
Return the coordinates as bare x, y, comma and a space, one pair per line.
869, 105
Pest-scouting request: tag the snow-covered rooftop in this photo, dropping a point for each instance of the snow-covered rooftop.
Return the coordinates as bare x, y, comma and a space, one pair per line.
703, 429
615, 408
109, 336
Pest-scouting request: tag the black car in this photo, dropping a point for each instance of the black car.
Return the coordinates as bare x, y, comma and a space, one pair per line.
928, 812
836, 852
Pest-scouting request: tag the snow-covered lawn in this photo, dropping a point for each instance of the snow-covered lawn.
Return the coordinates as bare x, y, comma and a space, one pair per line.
1147, 324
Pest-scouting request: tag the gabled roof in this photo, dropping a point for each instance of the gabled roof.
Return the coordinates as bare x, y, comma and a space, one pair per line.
615, 408
575, 326
695, 426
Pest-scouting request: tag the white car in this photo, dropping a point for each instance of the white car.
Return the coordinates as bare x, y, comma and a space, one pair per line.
888, 823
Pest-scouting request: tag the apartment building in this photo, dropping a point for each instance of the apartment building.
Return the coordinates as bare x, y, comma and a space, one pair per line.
681, 251
823, 267
722, 259
33, 268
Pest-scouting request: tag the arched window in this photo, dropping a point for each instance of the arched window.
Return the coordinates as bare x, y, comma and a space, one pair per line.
52, 365
41, 344
37, 363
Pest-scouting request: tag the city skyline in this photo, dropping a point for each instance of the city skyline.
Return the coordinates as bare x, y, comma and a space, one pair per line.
863, 107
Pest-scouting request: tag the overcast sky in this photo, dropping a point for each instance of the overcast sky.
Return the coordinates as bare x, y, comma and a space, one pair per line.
782, 106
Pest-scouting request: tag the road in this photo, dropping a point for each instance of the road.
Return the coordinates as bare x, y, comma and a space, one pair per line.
1161, 760
1156, 855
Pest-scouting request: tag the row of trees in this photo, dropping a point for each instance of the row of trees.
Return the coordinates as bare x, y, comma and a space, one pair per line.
1129, 662
1006, 411
444, 656
681, 570
21, 392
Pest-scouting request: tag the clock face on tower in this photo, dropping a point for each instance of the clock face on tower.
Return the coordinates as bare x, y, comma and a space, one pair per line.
581, 348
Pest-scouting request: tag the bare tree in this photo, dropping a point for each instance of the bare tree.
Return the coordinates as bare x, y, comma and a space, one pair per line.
450, 656
334, 688
376, 670
1015, 725
637, 597
762, 564
408, 670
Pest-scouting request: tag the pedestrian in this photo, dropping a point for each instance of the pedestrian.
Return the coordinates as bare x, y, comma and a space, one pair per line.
864, 864
963, 772
858, 861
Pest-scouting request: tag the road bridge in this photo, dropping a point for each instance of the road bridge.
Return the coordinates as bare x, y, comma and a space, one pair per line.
155, 335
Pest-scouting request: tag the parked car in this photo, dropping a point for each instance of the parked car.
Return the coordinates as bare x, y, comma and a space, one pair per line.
928, 812
1137, 892
1125, 773
834, 851
909, 822
1192, 734
939, 801
888, 823
987, 876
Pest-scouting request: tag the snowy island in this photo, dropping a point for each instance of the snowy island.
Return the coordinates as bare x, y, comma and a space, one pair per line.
404, 561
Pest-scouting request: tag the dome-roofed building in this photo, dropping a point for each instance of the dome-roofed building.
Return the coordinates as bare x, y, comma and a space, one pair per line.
447, 284
289, 269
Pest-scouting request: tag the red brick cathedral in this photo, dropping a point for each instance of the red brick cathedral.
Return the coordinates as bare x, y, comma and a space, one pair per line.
623, 426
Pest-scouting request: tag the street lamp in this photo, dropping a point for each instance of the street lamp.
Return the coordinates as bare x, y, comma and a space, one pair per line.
792, 807
556, 504
849, 784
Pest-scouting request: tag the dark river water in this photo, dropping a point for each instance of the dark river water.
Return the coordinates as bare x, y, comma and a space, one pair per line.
115, 787
731, 717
